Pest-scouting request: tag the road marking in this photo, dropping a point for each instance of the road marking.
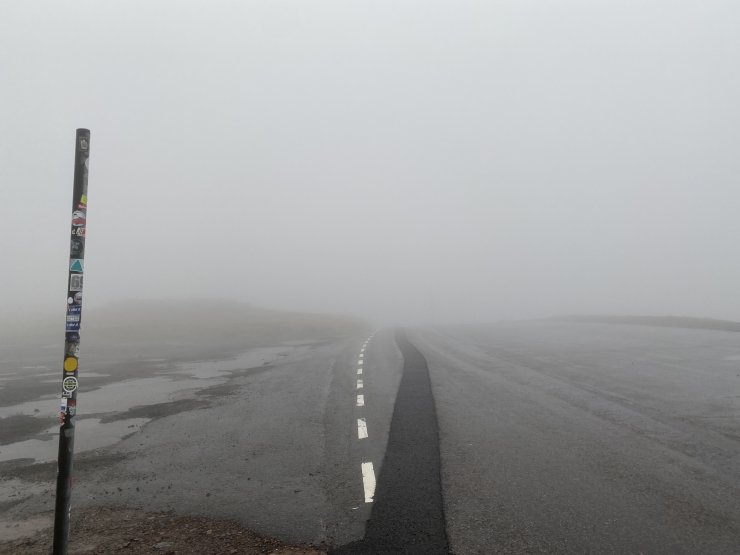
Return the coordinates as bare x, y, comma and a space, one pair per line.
361, 428
368, 473
368, 481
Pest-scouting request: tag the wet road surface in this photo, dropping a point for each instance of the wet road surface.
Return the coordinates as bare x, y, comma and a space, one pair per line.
511, 438
588, 438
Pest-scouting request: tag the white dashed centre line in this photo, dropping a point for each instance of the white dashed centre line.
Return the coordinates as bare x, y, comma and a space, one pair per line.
368, 473
368, 481
361, 428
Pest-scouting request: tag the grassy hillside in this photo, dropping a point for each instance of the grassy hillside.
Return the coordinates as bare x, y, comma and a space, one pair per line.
660, 321
176, 324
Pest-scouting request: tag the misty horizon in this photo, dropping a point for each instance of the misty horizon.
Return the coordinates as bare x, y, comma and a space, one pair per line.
400, 163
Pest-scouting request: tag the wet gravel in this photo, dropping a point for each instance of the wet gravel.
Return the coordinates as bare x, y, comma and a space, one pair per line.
116, 530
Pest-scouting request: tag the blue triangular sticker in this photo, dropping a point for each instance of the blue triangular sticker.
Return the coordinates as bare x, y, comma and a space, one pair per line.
75, 265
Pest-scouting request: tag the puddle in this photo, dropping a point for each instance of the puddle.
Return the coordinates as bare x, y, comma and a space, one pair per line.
87, 375
43, 407
89, 434
120, 396
114, 397
222, 368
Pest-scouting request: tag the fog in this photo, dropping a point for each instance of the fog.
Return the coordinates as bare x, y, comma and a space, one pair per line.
414, 161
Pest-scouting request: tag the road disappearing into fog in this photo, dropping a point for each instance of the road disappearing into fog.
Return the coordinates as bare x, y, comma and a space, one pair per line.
553, 437
588, 438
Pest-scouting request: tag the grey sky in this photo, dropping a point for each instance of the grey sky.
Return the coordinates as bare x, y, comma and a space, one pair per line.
401, 160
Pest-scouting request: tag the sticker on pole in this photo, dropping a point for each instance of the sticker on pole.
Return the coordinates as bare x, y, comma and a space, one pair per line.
69, 384
76, 265
74, 315
72, 349
79, 218
75, 282
76, 299
77, 248
70, 364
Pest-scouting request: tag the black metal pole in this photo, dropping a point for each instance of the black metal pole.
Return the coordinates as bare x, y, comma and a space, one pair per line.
71, 344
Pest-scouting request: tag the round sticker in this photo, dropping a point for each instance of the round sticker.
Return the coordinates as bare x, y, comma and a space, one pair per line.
70, 364
69, 384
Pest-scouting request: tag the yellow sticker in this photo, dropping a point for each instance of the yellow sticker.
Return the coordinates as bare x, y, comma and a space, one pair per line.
83, 200
70, 364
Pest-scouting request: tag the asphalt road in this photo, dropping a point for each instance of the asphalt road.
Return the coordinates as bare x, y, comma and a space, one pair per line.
515, 438
407, 515
588, 438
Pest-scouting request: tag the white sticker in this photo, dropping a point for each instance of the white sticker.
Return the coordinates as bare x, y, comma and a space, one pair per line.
69, 384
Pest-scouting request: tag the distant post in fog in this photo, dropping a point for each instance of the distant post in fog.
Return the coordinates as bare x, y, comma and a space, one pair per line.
70, 384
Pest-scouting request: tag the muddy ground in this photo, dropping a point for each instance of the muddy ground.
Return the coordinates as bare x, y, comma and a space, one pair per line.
119, 530
183, 373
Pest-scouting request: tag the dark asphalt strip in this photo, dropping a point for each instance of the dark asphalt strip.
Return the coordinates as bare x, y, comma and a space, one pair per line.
407, 514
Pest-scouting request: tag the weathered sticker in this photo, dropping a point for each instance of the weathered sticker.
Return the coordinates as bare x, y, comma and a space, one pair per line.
79, 232
75, 282
72, 405
70, 364
76, 265
69, 384
72, 349
79, 217
77, 248
84, 144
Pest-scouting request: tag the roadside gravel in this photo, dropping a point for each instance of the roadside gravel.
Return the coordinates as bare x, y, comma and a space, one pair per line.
117, 531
